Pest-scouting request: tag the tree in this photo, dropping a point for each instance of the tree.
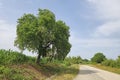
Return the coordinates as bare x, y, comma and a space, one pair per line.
110, 62
118, 61
61, 40
98, 58
38, 33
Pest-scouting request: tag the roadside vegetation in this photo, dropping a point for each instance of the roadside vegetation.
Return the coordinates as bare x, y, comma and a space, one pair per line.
47, 37
17, 66
100, 61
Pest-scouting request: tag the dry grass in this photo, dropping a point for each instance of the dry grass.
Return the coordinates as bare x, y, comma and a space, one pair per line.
30, 72
111, 69
68, 73
47, 71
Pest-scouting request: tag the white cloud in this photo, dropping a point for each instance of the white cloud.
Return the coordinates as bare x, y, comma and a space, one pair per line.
7, 35
106, 9
93, 43
108, 29
86, 48
109, 12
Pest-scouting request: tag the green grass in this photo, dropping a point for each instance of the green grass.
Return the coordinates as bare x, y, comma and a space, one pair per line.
17, 66
38, 72
111, 69
9, 73
67, 73
58, 70
9, 57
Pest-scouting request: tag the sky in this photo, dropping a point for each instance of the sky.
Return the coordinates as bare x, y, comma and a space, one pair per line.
94, 24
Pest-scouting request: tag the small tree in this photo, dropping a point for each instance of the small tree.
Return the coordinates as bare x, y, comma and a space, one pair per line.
38, 33
98, 58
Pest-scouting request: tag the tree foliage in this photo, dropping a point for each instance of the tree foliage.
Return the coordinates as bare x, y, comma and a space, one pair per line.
112, 62
98, 58
8, 57
38, 33
61, 40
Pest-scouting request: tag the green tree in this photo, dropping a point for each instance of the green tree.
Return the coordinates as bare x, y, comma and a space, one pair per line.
38, 33
98, 58
118, 61
74, 60
61, 41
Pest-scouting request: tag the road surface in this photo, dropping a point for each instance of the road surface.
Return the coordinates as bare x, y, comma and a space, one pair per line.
91, 73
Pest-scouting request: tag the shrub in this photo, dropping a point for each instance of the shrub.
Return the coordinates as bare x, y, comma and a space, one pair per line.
98, 58
13, 57
67, 63
118, 61
19, 77
73, 60
5, 72
110, 62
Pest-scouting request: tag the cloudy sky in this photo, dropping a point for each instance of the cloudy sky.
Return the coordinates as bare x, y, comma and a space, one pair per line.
94, 24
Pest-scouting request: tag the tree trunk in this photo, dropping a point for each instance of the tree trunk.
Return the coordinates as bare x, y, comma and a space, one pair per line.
38, 58
51, 57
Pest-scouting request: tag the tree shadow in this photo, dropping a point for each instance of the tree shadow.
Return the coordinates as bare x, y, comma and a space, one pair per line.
50, 70
84, 72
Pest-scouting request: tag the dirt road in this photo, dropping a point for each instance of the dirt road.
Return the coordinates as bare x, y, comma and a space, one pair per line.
91, 73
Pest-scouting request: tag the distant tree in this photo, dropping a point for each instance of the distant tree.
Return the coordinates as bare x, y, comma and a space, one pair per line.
38, 33
98, 58
85, 60
110, 62
118, 61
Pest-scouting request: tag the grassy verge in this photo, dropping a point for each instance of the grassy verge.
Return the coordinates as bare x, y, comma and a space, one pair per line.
17, 66
48, 71
111, 69
67, 73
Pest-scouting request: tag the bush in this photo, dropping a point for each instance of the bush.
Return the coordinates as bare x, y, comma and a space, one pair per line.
73, 60
98, 58
118, 61
67, 63
44, 60
13, 57
85, 61
5, 72
110, 62
19, 77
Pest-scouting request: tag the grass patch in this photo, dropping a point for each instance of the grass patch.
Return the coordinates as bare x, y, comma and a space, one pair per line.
111, 69
58, 71
17, 66
67, 73
9, 73
38, 72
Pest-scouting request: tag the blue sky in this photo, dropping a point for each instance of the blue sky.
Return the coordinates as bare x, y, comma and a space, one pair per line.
94, 24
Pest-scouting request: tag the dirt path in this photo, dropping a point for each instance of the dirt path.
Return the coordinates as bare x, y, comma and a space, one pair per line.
91, 73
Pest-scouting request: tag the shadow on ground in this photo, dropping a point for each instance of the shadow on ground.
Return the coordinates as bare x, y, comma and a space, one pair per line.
84, 72
52, 69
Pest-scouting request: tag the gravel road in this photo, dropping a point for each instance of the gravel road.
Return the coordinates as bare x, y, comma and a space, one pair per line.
91, 73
